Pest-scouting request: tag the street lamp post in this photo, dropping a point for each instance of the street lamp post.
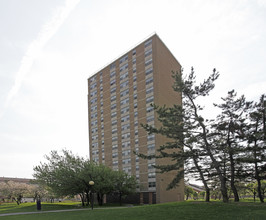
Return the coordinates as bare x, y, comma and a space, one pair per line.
91, 184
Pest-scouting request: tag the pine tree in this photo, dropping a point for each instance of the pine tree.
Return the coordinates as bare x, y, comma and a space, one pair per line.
256, 144
229, 126
188, 131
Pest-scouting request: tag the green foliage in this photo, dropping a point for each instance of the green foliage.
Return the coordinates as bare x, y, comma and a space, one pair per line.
69, 175
188, 191
124, 184
222, 152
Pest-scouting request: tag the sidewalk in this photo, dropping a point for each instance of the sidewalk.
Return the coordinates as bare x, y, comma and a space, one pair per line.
64, 210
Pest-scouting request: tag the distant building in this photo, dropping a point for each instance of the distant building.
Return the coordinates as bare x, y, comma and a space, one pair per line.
119, 98
19, 180
196, 188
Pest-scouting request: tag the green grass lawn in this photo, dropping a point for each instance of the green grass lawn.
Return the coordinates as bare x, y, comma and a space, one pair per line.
180, 210
31, 207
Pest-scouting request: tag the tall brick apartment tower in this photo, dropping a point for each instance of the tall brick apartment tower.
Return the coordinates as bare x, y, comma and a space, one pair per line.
119, 98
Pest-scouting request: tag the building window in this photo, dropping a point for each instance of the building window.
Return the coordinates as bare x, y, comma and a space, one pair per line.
93, 85
124, 84
150, 137
135, 105
151, 166
124, 110
149, 99
149, 90
126, 161
124, 93
94, 130
113, 114
113, 90
94, 115
148, 52
149, 80
112, 74
114, 138
148, 43
134, 52
93, 79
114, 122
127, 170
125, 118
152, 184
93, 108
149, 109
94, 145
113, 106
123, 76
148, 62
125, 144
114, 155
124, 67
112, 82
135, 114
134, 61
125, 127
123, 59
95, 152
94, 122
112, 66
115, 147
125, 152
134, 79
151, 175
149, 71
124, 101
95, 137
151, 146
113, 98
93, 93
125, 136
134, 70
114, 130
115, 163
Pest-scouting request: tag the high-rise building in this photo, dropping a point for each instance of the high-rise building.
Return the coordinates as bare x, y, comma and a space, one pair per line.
119, 98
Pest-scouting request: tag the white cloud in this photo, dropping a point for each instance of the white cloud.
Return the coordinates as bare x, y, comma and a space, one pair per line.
35, 48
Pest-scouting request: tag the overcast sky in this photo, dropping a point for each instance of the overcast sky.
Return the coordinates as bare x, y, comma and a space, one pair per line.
48, 49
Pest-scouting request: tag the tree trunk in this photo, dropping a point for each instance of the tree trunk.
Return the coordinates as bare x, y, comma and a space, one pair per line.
207, 147
120, 199
232, 181
207, 198
207, 189
100, 199
87, 198
82, 199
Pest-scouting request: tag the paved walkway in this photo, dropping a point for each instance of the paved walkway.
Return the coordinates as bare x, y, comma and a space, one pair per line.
64, 210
